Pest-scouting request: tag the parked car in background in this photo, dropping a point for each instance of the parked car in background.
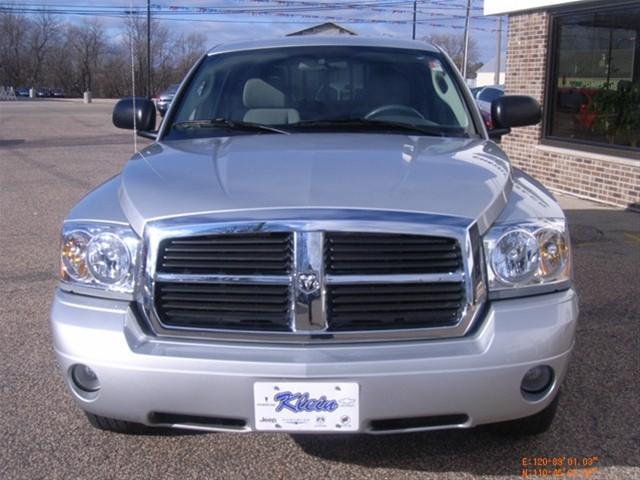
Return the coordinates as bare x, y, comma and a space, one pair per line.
42, 92
22, 92
57, 92
484, 96
164, 99
323, 238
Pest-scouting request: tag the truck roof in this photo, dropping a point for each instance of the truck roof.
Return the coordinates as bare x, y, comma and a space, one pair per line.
305, 41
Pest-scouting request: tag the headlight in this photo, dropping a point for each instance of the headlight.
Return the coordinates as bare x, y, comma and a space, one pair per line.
528, 258
554, 252
108, 259
516, 256
98, 256
74, 249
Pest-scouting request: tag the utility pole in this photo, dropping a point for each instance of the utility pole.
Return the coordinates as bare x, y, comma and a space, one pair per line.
465, 49
496, 75
415, 11
148, 48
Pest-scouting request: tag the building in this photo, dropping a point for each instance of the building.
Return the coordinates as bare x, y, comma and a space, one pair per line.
486, 74
581, 60
328, 28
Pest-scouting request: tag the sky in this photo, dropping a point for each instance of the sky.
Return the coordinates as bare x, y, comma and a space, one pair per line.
217, 20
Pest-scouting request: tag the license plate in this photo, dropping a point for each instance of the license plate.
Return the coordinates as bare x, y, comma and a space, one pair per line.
306, 406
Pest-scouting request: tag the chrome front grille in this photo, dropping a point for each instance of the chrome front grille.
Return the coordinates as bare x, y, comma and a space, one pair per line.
302, 282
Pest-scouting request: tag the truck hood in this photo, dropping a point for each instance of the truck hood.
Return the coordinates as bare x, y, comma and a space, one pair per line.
467, 178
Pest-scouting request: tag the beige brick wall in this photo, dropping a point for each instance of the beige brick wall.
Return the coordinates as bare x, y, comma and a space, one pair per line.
616, 183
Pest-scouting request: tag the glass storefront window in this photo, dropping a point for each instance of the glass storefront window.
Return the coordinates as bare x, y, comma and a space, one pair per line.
594, 93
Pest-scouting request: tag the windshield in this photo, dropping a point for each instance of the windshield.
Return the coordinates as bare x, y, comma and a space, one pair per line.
321, 88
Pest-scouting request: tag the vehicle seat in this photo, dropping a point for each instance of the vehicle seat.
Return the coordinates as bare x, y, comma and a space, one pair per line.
266, 104
387, 87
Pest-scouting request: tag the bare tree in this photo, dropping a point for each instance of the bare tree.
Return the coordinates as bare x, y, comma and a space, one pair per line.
41, 37
453, 44
171, 55
188, 48
87, 41
13, 48
61, 64
135, 27
115, 74
41, 50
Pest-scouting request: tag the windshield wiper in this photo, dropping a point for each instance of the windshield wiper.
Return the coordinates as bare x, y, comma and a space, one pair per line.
227, 124
364, 123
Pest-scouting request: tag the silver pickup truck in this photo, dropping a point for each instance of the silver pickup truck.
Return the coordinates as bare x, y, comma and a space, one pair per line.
322, 238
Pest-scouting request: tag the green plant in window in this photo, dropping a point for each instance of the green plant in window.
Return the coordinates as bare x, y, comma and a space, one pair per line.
630, 115
617, 113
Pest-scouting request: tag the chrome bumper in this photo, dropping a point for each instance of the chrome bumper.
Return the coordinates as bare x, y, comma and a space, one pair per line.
478, 375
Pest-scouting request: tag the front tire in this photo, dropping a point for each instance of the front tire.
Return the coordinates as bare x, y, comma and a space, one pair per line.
533, 425
118, 426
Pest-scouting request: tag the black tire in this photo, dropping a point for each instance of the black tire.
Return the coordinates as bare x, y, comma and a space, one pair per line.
533, 425
118, 426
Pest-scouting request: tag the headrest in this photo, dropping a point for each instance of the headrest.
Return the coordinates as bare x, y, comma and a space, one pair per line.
260, 94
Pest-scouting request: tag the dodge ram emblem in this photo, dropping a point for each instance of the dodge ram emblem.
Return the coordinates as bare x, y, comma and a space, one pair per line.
308, 282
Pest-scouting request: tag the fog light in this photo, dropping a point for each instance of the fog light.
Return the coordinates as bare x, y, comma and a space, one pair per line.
85, 378
537, 379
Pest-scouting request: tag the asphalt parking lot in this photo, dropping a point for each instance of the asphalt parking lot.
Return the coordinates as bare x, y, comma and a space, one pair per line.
52, 152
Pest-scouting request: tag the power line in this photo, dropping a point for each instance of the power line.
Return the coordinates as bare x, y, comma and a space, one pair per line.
282, 6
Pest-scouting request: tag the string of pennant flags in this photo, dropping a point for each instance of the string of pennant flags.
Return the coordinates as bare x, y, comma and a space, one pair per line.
332, 18
286, 9
380, 7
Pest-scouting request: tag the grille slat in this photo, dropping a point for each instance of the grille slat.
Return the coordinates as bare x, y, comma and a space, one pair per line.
223, 288
381, 253
385, 239
205, 317
238, 299
401, 288
227, 322
234, 239
223, 307
227, 258
222, 248
224, 268
397, 298
395, 307
406, 247
393, 256
386, 266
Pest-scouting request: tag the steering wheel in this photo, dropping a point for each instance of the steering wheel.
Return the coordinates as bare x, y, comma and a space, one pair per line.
386, 109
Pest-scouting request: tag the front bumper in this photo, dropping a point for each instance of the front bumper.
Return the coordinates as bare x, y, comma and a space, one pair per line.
477, 376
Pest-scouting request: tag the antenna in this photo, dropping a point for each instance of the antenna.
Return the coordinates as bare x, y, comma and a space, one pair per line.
133, 85
415, 11
149, 49
465, 50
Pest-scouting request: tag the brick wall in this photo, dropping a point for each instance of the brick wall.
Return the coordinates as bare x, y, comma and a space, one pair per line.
591, 176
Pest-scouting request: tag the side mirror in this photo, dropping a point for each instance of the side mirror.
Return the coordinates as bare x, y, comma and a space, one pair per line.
145, 113
511, 111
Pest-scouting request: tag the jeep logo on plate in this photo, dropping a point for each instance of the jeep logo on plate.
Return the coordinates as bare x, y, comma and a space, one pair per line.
308, 282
